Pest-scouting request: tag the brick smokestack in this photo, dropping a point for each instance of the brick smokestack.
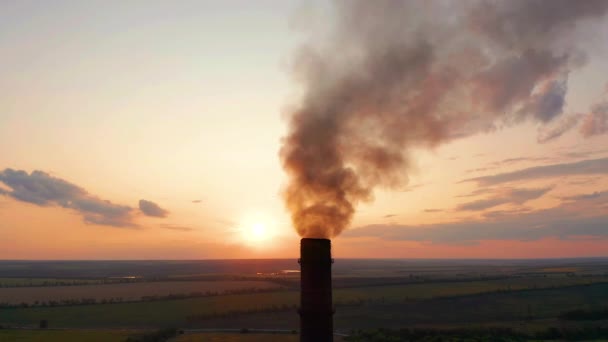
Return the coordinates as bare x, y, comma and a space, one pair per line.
316, 307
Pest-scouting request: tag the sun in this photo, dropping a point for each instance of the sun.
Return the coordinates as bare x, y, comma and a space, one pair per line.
257, 229
257, 232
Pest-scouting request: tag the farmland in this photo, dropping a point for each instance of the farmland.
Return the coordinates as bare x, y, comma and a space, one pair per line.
221, 337
121, 336
126, 292
523, 295
63, 336
180, 312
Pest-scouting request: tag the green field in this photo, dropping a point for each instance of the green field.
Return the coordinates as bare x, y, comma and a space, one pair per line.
63, 336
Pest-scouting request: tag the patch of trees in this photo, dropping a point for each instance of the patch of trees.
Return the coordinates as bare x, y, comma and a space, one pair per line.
114, 300
585, 315
68, 282
252, 290
63, 302
530, 288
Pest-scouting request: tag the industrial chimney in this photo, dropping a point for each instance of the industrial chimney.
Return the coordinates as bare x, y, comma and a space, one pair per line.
316, 308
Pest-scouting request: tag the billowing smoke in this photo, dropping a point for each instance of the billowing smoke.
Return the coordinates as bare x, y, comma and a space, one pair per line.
391, 76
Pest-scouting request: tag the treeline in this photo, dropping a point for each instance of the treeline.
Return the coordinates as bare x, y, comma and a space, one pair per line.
66, 282
585, 315
33, 282
63, 302
251, 290
114, 300
156, 336
530, 288
491, 334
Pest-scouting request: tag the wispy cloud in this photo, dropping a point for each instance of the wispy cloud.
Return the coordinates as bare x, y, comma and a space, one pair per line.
412, 187
596, 122
176, 227
504, 196
578, 217
585, 167
546, 134
582, 197
150, 208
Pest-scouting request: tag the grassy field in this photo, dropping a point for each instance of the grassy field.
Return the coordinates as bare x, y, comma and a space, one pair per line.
127, 291
62, 336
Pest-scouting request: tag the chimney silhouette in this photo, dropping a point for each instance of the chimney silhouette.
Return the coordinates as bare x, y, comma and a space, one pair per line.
316, 307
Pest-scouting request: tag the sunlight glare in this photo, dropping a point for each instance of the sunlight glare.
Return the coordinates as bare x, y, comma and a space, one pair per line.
257, 229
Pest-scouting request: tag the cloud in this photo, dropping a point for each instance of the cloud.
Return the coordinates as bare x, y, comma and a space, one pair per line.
176, 227
477, 192
547, 134
42, 189
583, 154
593, 123
585, 167
412, 187
433, 210
582, 217
508, 161
197, 201
479, 169
150, 208
596, 122
582, 197
584, 181
505, 196
548, 103
389, 215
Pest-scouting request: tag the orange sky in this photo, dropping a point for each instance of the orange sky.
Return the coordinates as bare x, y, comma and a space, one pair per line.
184, 106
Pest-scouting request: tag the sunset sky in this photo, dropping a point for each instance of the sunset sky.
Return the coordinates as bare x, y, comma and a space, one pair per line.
152, 130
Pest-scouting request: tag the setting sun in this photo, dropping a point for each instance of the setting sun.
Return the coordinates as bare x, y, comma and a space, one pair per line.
256, 229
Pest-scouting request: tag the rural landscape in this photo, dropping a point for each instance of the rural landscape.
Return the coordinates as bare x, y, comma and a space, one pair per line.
250, 300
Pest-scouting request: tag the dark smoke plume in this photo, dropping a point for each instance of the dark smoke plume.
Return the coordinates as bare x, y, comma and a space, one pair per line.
391, 76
